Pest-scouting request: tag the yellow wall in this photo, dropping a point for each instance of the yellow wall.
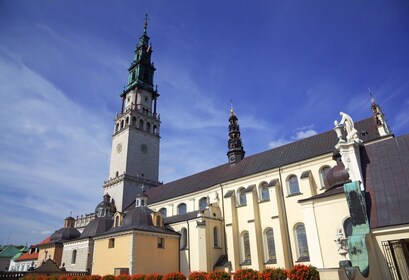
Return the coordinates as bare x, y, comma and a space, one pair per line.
107, 259
55, 251
151, 259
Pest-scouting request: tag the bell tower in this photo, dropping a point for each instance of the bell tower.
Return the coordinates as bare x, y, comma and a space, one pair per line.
235, 151
135, 142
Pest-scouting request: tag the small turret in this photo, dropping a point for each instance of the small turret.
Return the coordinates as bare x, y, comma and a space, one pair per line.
379, 118
235, 146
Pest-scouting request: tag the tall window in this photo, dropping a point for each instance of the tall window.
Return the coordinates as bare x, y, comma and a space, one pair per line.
347, 227
158, 221
202, 203
302, 245
161, 242
111, 243
293, 186
246, 248
183, 238
215, 237
271, 248
182, 208
323, 175
242, 197
264, 194
163, 211
74, 256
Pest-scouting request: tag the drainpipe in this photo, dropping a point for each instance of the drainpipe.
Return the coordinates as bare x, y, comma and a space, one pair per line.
287, 232
188, 242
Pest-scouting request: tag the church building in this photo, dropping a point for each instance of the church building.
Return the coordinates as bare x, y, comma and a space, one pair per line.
278, 208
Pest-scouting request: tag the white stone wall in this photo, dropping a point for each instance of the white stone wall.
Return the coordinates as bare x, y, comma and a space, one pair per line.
83, 260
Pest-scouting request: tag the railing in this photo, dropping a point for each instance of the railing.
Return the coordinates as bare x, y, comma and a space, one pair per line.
15, 275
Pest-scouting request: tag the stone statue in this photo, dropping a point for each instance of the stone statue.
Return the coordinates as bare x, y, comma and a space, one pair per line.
348, 123
342, 243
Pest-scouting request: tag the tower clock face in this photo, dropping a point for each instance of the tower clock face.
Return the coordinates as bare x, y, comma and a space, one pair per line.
119, 148
144, 148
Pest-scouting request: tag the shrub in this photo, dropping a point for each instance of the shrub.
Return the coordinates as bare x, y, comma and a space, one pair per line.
108, 277
198, 275
154, 276
246, 274
303, 272
274, 274
219, 275
138, 277
123, 277
174, 276
93, 277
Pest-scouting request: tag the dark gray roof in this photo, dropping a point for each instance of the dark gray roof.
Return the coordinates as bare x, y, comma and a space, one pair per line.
181, 217
139, 218
64, 234
97, 226
293, 152
385, 167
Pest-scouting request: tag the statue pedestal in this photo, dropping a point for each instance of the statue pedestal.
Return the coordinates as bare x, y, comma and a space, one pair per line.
351, 159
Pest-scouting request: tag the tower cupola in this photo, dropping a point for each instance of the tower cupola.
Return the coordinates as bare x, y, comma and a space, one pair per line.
235, 146
141, 69
379, 118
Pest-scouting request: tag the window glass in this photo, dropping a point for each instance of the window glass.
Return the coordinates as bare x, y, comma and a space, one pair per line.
302, 245
164, 212
271, 249
348, 227
293, 186
323, 175
202, 203
246, 247
242, 197
265, 195
215, 237
182, 208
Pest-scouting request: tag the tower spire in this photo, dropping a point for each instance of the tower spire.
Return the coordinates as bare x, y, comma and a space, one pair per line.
235, 151
145, 26
379, 117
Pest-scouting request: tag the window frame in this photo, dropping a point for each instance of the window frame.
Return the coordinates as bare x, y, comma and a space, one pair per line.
241, 197
179, 208
263, 189
303, 253
323, 175
290, 184
270, 258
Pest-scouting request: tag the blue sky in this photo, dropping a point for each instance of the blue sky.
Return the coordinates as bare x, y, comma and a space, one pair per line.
288, 66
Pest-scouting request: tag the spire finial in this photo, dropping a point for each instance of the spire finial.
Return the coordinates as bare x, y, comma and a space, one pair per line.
370, 94
145, 27
231, 107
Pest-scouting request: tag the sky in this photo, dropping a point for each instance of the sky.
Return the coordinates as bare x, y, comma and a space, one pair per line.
287, 67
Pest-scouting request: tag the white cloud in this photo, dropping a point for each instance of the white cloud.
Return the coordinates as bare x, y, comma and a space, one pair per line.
300, 133
53, 150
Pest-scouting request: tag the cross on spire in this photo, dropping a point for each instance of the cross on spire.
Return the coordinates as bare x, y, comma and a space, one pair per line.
145, 27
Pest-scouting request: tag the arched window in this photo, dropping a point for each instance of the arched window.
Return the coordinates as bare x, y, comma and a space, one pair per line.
155, 129
202, 203
142, 202
117, 127
133, 120
183, 243
182, 208
323, 175
141, 124
242, 197
263, 191
127, 120
215, 237
158, 221
347, 227
164, 212
74, 256
270, 246
293, 186
246, 248
148, 127
122, 124
117, 221
302, 245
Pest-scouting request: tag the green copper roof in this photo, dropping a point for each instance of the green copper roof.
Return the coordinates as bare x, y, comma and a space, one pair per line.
9, 252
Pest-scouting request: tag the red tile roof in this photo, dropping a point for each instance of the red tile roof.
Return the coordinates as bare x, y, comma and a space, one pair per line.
27, 257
